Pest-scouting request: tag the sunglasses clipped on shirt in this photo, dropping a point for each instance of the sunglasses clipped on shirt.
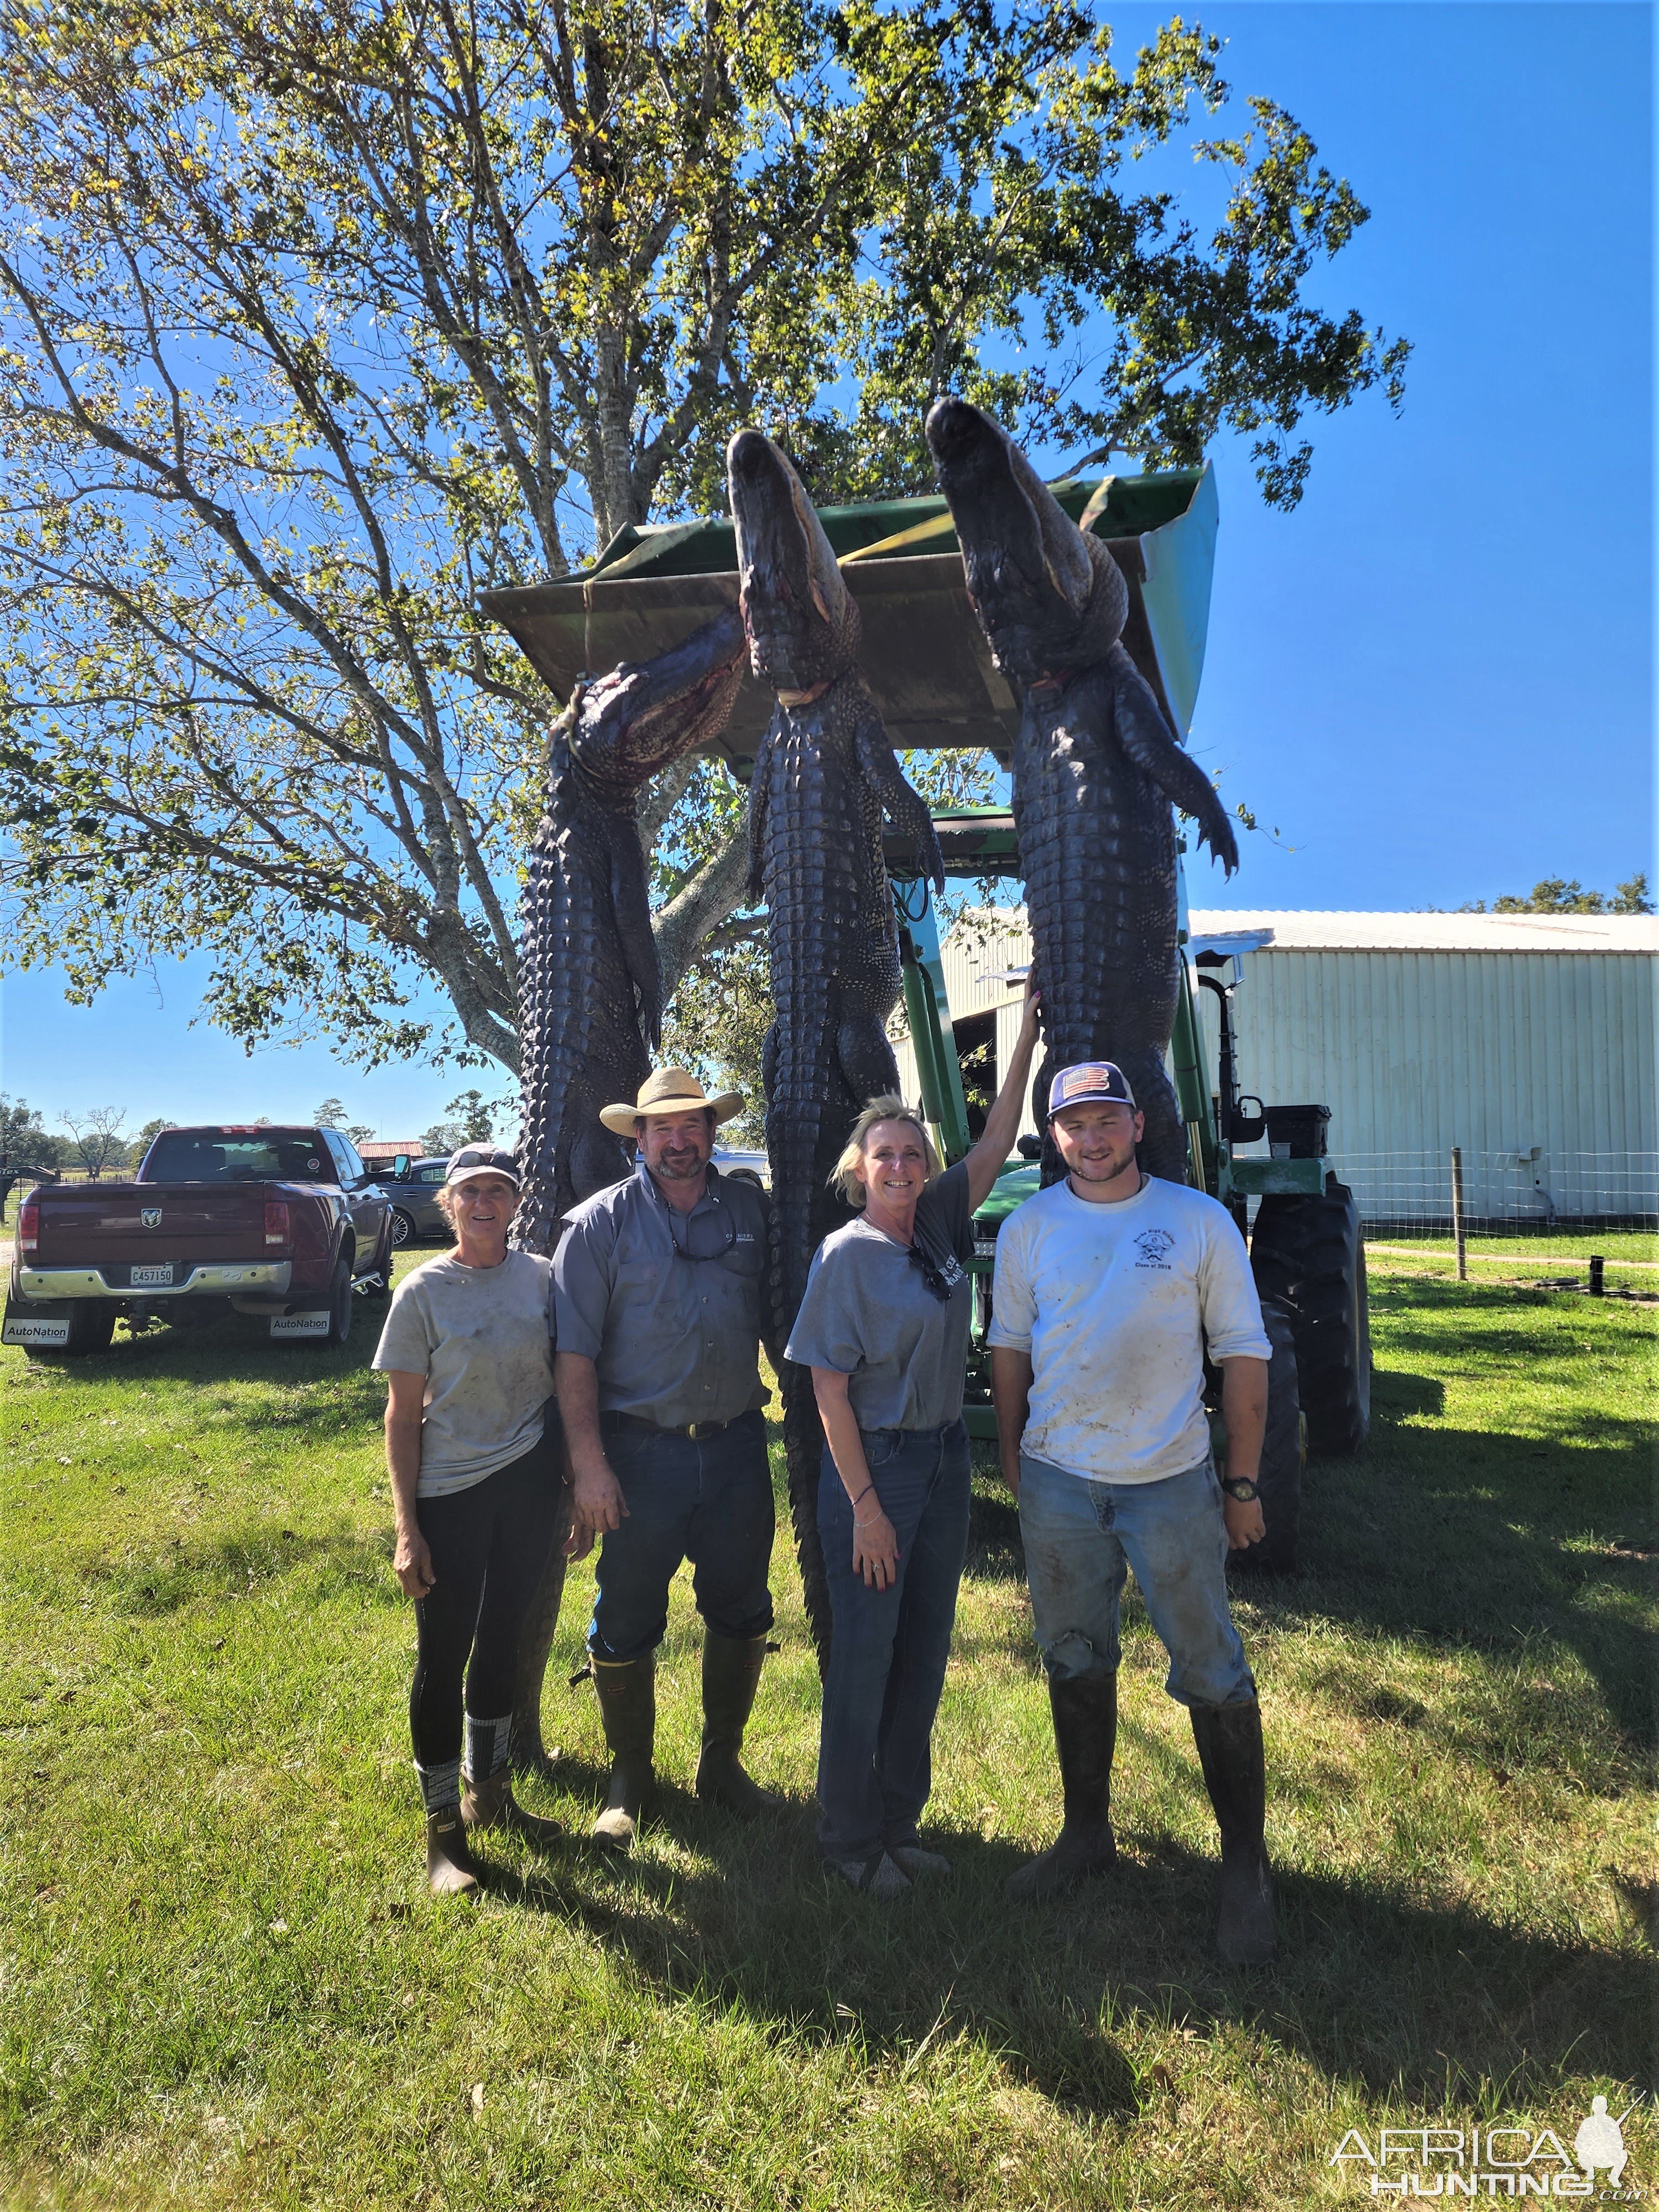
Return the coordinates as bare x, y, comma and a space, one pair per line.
937, 1280
684, 1252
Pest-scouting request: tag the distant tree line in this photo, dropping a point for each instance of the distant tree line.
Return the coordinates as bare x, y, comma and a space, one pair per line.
1560, 895
99, 1143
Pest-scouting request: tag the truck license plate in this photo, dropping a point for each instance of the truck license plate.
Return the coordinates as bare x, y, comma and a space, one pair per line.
144, 1278
299, 1324
46, 1331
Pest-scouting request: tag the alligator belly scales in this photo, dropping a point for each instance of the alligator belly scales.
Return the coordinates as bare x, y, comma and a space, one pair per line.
589, 992
824, 781
1095, 768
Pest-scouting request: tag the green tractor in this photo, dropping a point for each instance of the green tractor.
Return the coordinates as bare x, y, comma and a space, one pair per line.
1305, 1248
933, 680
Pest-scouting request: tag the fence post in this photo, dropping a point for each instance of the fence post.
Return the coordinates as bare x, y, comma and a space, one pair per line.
1597, 1286
1457, 1214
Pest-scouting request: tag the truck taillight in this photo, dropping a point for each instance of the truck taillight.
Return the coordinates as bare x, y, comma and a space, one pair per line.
275, 1221
28, 1225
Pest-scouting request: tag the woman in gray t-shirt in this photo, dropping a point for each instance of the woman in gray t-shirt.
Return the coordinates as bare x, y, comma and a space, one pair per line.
469, 1364
883, 1327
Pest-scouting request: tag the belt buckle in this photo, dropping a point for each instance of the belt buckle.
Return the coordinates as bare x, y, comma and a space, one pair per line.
698, 1430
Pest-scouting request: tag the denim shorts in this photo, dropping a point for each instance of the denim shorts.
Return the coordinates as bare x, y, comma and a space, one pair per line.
1082, 1538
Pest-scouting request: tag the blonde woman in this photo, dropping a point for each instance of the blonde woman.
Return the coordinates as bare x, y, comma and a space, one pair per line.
471, 1449
883, 1327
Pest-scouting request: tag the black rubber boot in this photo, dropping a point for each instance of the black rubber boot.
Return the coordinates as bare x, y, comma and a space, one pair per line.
731, 1672
491, 1804
450, 1871
1228, 1740
1085, 1711
627, 1707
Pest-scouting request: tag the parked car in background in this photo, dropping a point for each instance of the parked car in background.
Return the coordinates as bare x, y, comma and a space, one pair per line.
745, 1167
412, 1189
280, 1222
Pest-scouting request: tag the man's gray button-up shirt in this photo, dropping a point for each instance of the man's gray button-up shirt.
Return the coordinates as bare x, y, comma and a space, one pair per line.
670, 1307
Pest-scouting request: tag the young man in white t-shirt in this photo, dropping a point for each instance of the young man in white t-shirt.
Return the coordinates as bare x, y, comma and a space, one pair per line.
1108, 1287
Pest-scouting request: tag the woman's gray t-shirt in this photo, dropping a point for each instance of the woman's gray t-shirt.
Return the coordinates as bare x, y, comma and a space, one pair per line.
480, 1336
869, 1315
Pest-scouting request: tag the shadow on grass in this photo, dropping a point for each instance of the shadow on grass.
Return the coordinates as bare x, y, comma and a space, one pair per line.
1372, 1988
1506, 1544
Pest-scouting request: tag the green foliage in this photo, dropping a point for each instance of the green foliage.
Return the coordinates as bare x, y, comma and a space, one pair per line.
1557, 895
23, 1139
331, 1115
717, 1026
226, 1989
472, 1122
314, 323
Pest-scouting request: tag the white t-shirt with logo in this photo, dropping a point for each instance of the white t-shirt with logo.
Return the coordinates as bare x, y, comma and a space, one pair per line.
1114, 1303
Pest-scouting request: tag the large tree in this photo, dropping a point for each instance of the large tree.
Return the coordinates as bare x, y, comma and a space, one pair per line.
318, 318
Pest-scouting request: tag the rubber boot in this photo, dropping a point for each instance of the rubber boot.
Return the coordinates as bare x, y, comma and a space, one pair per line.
491, 1804
731, 1672
627, 1707
450, 1871
1228, 1740
1084, 1710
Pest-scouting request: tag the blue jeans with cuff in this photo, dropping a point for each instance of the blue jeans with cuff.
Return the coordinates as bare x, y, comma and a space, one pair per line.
1081, 1539
708, 1500
888, 1649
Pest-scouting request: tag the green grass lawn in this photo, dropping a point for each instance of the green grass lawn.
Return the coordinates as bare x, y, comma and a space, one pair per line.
1631, 1247
225, 1985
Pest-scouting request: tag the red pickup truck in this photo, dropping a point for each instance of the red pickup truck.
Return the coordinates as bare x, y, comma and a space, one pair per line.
274, 1221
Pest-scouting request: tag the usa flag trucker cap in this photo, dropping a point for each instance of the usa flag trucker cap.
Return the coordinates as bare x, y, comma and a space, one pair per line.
1087, 1085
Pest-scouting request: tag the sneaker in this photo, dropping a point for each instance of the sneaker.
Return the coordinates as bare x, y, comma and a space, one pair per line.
876, 1877
917, 1862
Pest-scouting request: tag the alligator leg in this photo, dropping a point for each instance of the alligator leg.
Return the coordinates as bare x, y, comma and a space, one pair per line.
1145, 737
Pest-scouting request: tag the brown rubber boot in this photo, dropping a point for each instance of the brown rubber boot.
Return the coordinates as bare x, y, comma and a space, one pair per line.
1228, 1740
731, 1672
1084, 1710
627, 1707
491, 1804
450, 1871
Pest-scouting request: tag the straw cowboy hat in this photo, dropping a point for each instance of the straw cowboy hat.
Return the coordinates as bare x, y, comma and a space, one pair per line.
669, 1091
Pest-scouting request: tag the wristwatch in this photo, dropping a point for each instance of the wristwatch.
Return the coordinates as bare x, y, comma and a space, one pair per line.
1242, 1489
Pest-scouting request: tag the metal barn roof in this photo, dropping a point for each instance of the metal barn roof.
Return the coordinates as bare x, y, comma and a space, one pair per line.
1314, 932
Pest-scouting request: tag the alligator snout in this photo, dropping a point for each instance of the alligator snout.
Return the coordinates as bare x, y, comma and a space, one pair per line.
1047, 596
803, 626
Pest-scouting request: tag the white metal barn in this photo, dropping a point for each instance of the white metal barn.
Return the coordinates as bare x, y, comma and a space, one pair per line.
1527, 1040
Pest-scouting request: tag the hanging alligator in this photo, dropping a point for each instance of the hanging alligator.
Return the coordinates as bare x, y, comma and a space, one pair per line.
824, 778
589, 990
1096, 769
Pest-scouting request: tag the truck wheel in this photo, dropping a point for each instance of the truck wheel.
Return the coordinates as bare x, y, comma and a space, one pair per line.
1283, 1454
91, 1326
339, 1302
403, 1228
1308, 1256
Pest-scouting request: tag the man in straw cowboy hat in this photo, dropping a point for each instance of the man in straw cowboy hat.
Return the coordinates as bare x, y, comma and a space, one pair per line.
660, 1293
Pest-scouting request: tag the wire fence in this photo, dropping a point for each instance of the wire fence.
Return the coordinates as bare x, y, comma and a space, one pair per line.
1411, 1192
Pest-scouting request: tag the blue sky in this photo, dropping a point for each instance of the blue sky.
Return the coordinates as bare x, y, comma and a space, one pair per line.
1433, 677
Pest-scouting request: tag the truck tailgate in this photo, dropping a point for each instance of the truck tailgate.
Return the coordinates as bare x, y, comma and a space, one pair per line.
94, 1224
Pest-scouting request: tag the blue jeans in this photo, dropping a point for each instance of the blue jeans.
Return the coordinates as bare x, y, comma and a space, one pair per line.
888, 1649
709, 1501
1082, 1538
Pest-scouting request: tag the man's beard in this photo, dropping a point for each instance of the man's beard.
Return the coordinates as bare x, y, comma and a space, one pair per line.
691, 1166
1107, 1169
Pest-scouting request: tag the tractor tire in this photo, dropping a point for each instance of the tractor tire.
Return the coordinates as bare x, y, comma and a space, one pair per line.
1308, 1256
1283, 1454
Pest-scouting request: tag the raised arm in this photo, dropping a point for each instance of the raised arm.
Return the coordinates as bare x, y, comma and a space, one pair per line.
985, 1162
